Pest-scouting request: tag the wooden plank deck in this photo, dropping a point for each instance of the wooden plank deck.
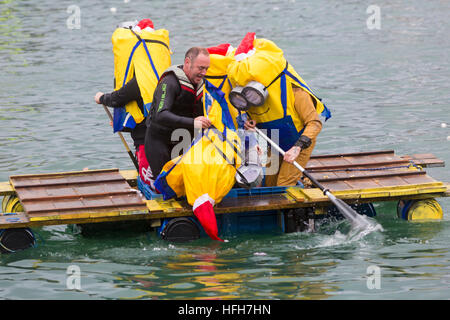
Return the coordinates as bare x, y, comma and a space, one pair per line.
75, 193
372, 157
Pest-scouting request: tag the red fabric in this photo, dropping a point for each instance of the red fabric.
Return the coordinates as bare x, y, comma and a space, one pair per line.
144, 23
205, 214
199, 96
221, 49
246, 44
188, 89
144, 167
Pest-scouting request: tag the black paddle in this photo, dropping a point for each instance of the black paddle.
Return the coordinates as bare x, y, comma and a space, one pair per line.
355, 219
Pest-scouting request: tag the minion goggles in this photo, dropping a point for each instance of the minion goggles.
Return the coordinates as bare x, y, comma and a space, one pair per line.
253, 94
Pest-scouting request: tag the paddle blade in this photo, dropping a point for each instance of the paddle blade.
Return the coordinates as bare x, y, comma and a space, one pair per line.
354, 217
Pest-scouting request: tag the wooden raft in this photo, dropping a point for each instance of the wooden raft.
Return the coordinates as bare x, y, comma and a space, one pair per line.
107, 195
57, 198
368, 176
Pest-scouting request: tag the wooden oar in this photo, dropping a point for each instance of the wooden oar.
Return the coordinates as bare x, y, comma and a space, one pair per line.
130, 153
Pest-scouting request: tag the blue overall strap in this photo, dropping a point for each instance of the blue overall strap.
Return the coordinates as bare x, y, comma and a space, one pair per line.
326, 112
121, 118
219, 96
241, 118
129, 61
229, 82
223, 82
151, 60
283, 94
148, 53
148, 105
298, 81
147, 108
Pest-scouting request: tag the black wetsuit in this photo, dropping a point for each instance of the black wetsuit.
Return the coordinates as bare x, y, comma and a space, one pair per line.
174, 106
119, 98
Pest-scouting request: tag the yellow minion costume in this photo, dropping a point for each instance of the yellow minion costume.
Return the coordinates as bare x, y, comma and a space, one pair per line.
144, 53
287, 105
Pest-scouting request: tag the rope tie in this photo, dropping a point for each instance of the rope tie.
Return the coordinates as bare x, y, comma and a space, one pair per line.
410, 166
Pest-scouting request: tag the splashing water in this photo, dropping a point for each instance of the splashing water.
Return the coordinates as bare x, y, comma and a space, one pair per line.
370, 226
345, 232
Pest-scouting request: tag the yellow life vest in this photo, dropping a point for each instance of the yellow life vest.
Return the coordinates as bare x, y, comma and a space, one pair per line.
266, 64
144, 55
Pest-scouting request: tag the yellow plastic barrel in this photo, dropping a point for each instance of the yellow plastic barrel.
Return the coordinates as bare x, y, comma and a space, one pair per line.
14, 239
11, 204
414, 210
4, 202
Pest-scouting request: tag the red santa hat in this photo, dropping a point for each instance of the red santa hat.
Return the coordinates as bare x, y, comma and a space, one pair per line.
245, 48
222, 49
145, 24
203, 210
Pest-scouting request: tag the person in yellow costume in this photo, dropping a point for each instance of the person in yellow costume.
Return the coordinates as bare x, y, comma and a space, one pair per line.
275, 97
141, 54
221, 56
205, 173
